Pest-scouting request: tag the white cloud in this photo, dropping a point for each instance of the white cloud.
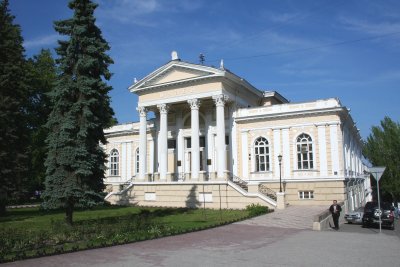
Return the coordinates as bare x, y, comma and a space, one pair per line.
42, 41
128, 11
369, 27
140, 12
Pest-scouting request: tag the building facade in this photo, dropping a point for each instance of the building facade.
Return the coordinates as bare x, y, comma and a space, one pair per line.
208, 137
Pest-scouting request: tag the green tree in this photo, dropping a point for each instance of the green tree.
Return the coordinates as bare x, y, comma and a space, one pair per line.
13, 103
382, 148
75, 163
41, 73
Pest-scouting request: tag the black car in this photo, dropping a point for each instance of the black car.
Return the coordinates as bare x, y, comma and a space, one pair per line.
372, 212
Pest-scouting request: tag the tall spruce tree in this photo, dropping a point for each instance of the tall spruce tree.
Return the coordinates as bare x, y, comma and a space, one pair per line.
81, 109
13, 102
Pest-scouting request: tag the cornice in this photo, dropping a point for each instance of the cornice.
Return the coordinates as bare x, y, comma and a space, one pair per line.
276, 115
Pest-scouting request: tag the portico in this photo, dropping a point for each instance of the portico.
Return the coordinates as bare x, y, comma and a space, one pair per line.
189, 135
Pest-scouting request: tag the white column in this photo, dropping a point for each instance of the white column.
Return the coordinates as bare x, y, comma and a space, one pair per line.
323, 162
129, 161
180, 142
221, 151
334, 148
245, 156
151, 167
163, 144
194, 106
123, 161
286, 171
277, 151
142, 142
209, 141
233, 145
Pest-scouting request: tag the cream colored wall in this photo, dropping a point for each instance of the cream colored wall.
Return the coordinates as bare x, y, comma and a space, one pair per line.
176, 75
265, 128
171, 161
240, 92
186, 195
324, 192
116, 142
177, 91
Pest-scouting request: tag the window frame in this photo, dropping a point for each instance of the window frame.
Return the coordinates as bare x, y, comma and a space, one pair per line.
114, 162
265, 165
305, 152
306, 194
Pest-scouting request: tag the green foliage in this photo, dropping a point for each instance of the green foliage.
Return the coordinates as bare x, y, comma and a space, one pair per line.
32, 232
41, 72
13, 109
382, 148
256, 209
81, 109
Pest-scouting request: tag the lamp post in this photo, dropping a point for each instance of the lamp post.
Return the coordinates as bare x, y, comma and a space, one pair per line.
280, 173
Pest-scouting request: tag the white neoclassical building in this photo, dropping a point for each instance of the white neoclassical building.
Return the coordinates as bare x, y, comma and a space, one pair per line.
208, 137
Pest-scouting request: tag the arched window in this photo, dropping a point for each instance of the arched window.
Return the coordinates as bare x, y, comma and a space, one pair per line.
137, 161
304, 152
114, 163
261, 153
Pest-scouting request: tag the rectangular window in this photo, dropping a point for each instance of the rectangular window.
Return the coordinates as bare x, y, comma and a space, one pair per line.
188, 142
226, 139
171, 143
202, 141
306, 194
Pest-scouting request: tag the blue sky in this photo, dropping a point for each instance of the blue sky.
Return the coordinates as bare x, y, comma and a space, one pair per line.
305, 50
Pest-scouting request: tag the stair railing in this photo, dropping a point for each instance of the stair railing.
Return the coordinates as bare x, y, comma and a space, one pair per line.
263, 189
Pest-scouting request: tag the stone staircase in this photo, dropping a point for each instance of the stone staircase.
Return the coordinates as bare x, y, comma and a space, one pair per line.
239, 182
263, 189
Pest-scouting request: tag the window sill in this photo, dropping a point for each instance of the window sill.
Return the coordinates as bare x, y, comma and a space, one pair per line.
268, 172
306, 170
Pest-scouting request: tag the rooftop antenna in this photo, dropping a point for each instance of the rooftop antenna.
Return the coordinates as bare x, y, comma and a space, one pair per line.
202, 58
221, 64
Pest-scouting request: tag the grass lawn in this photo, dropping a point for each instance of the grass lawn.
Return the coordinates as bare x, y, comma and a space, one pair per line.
31, 232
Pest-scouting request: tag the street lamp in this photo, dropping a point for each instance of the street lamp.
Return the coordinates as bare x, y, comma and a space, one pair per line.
280, 173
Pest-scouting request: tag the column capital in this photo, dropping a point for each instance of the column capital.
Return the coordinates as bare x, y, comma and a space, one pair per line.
220, 100
163, 108
194, 103
142, 111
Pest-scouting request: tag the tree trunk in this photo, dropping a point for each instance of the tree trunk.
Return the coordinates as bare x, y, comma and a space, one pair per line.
69, 212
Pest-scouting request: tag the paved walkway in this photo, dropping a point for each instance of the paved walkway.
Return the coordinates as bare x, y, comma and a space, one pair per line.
295, 217
254, 242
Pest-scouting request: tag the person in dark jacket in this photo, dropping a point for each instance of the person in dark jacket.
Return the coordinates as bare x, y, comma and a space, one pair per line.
335, 209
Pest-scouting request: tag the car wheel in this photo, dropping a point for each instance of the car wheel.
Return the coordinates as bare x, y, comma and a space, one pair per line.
349, 222
364, 225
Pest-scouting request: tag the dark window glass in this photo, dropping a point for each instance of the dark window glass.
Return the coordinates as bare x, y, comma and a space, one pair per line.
171, 143
202, 141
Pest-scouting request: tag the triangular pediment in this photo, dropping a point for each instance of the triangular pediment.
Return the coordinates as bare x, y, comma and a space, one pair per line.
175, 72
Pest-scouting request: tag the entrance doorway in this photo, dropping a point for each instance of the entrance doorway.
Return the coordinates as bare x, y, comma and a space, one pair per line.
188, 154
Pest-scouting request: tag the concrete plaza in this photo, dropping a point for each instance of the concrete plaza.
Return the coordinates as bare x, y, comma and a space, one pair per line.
263, 241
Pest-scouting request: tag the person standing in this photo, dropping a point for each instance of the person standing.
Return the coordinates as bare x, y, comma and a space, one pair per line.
335, 209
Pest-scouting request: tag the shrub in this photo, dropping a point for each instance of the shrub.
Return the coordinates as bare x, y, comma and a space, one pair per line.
256, 209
